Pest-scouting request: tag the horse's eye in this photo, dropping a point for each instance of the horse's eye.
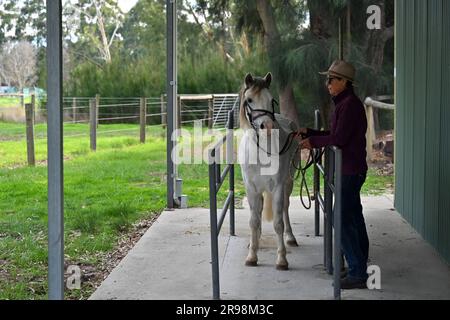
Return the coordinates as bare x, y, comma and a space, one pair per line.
249, 100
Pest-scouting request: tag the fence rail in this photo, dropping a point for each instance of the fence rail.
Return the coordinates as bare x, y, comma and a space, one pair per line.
370, 105
142, 112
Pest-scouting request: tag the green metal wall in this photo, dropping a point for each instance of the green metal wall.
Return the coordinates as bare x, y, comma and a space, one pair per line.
422, 155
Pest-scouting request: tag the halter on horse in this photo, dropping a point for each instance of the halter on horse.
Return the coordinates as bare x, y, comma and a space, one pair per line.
268, 193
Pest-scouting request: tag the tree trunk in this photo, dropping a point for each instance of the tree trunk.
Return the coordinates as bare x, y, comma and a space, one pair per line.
322, 26
272, 43
375, 47
104, 38
375, 52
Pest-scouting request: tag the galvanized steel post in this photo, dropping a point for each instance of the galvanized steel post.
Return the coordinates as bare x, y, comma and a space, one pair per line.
316, 182
337, 222
213, 225
328, 212
171, 12
55, 152
230, 162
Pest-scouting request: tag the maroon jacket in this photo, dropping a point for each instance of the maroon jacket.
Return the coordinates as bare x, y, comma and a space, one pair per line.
348, 132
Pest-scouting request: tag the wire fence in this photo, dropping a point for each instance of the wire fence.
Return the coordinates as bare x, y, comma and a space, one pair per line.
112, 116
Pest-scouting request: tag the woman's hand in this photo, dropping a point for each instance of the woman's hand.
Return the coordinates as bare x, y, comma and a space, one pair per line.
306, 144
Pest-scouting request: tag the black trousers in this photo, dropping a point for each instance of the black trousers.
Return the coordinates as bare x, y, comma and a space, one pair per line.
355, 242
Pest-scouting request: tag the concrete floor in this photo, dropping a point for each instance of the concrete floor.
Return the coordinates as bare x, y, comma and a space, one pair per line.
172, 261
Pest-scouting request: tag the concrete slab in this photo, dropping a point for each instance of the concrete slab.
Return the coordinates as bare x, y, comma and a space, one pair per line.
172, 261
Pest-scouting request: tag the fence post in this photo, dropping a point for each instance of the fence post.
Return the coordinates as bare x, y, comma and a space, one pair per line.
210, 113
370, 134
317, 181
143, 118
163, 112
30, 133
97, 105
74, 110
93, 122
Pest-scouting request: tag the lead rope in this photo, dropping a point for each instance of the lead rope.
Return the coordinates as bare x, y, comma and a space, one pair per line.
314, 156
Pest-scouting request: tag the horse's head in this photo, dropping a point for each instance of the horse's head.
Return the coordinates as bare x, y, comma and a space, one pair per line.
257, 108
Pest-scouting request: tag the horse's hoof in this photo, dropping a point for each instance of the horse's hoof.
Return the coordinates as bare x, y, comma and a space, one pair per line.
282, 267
292, 243
251, 263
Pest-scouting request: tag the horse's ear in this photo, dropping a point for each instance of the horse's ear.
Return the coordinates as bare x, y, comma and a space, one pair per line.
248, 80
268, 79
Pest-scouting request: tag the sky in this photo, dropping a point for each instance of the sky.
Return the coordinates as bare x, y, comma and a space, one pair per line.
126, 5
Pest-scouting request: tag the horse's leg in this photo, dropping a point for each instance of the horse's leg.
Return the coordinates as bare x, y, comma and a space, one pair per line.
256, 205
278, 224
290, 239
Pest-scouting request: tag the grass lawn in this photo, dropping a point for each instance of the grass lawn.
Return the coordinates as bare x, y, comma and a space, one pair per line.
106, 192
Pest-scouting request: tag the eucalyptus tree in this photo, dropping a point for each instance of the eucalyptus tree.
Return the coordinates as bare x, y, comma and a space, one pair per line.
93, 28
23, 20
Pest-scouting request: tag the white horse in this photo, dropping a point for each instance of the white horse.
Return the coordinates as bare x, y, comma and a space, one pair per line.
267, 193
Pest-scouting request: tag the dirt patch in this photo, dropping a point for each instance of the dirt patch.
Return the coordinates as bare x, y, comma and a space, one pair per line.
382, 154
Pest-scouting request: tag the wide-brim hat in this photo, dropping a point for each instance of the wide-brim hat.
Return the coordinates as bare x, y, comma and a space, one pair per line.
341, 69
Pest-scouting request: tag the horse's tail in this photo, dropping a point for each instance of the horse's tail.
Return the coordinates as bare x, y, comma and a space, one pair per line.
267, 212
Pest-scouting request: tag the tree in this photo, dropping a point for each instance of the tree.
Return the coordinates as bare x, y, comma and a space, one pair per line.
23, 20
18, 64
93, 23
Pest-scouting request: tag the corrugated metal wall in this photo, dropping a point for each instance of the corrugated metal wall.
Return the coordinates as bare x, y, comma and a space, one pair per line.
422, 155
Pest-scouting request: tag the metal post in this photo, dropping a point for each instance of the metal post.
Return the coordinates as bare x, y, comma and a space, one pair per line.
213, 227
171, 11
230, 158
337, 223
93, 124
30, 134
143, 118
316, 183
55, 152
328, 232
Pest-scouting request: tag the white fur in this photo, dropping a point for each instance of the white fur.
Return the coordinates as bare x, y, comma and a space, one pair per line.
267, 190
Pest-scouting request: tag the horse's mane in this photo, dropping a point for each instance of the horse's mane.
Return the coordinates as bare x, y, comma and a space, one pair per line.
257, 85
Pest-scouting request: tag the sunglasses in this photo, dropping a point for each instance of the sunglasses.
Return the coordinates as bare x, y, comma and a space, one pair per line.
329, 80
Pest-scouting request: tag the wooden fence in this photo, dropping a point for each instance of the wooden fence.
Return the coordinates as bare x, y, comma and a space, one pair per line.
95, 110
370, 104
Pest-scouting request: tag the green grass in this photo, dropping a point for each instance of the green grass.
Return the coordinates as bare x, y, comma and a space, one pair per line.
13, 146
105, 193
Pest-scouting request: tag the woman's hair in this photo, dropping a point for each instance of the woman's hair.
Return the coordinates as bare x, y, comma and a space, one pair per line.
349, 84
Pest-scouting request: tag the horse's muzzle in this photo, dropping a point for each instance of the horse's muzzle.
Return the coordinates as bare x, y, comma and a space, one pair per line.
267, 125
